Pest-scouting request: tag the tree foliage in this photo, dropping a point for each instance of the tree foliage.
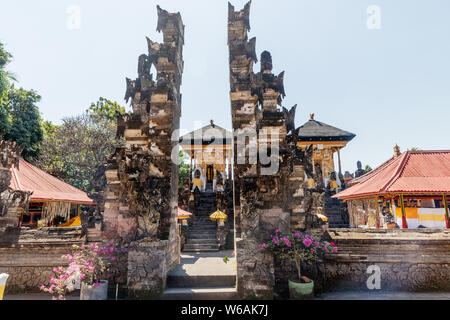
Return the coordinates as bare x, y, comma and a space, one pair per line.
368, 168
105, 108
5, 76
24, 124
183, 169
20, 120
77, 150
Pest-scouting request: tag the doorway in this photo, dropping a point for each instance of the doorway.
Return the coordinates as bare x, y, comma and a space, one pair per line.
209, 174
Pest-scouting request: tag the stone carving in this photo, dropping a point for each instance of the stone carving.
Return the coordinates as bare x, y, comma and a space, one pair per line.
142, 181
359, 172
263, 202
12, 202
290, 118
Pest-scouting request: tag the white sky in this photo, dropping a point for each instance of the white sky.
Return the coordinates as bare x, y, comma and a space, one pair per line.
388, 85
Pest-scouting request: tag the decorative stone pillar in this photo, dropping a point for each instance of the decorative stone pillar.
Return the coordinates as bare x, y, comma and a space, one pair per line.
269, 183
141, 199
12, 202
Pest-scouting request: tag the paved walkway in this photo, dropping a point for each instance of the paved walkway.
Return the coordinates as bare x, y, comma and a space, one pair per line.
205, 264
36, 296
350, 295
365, 295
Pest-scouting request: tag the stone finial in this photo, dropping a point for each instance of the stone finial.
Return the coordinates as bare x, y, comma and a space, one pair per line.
266, 61
243, 15
212, 123
397, 151
311, 116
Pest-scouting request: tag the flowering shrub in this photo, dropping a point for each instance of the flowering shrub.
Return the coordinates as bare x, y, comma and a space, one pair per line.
89, 264
297, 247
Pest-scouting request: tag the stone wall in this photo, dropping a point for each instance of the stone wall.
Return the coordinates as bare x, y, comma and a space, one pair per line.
29, 256
408, 260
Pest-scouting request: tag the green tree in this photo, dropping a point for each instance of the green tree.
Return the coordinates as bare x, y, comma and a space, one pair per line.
20, 120
5, 76
25, 121
106, 109
368, 168
77, 150
183, 169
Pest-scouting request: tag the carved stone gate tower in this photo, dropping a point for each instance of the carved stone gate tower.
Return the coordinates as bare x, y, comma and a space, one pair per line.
270, 185
142, 191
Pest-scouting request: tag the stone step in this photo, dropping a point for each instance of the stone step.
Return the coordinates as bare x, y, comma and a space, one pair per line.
205, 241
201, 246
200, 250
335, 218
202, 230
203, 227
218, 293
206, 231
201, 236
200, 281
340, 225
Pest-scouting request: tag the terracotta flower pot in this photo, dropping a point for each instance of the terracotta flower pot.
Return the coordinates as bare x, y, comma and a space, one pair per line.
301, 291
89, 292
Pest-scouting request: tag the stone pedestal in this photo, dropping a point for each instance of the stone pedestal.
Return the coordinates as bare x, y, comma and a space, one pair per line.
147, 269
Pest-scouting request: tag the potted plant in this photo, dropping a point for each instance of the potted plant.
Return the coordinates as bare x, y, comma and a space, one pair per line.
87, 270
298, 247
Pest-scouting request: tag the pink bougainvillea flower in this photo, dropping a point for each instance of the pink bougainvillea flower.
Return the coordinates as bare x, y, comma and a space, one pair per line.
307, 242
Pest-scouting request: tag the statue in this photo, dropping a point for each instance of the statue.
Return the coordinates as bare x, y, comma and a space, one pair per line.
360, 171
219, 180
290, 118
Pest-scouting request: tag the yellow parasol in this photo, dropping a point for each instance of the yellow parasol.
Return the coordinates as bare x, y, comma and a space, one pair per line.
218, 216
310, 183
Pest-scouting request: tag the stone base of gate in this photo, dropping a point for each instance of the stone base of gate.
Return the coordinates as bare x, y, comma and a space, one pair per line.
255, 271
148, 265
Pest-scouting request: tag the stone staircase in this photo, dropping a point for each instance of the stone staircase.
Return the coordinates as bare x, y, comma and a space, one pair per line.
202, 234
333, 211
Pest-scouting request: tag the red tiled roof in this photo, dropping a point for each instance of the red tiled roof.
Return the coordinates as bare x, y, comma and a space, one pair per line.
44, 186
411, 172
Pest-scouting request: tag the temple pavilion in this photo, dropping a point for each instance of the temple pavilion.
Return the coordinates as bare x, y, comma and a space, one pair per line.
327, 141
210, 152
53, 202
409, 190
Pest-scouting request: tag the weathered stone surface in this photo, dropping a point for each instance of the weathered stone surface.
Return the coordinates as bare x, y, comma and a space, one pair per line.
29, 256
271, 190
142, 185
12, 202
142, 190
148, 264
